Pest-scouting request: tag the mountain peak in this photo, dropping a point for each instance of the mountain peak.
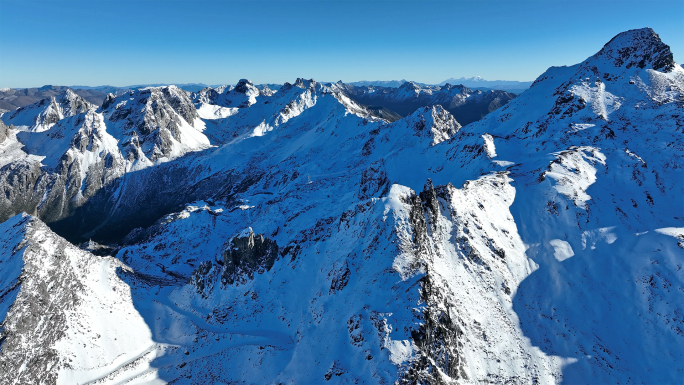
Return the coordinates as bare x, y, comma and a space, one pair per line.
433, 122
459, 87
70, 94
243, 86
303, 83
638, 47
409, 85
73, 99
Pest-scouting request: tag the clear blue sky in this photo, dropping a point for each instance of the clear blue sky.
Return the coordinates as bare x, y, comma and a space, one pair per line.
216, 42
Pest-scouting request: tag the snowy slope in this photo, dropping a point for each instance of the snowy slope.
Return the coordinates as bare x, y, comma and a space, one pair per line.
587, 182
67, 316
292, 213
226, 123
596, 149
364, 291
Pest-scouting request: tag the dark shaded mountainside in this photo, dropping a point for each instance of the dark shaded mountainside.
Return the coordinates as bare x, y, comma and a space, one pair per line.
242, 234
478, 83
465, 104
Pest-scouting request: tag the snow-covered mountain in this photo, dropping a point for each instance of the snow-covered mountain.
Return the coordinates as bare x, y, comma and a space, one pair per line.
13, 98
308, 240
465, 104
242, 95
41, 115
381, 83
65, 312
594, 150
51, 172
158, 123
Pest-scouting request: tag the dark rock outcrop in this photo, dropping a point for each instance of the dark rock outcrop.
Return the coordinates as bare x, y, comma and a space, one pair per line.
246, 255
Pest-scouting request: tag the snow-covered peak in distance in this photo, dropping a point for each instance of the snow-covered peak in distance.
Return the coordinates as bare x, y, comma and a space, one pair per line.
267, 90
433, 122
41, 115
380, 83
465, 104
410, 86
243, 94
155, 123
274, 108
474, 79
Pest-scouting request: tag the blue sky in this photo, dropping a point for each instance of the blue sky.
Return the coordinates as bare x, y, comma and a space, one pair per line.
217, 42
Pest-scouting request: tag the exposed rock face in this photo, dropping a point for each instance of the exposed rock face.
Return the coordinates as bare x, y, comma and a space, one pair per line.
25, 299
4, 131
167, 127
439, 340
247, 254
54, 298
244, 256
374, 181
433, 122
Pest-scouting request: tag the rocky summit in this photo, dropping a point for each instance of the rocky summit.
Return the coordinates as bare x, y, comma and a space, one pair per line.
331, 233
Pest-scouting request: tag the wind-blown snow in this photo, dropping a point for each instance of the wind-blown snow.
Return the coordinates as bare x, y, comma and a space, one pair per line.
561, 249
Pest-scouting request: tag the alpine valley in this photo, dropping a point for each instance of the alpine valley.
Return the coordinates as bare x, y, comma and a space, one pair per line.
331, 233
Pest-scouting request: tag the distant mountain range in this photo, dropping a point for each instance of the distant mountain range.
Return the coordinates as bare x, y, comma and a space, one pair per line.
12, 98
190, 87
476, 83
465, 104
383, 83
479, 83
